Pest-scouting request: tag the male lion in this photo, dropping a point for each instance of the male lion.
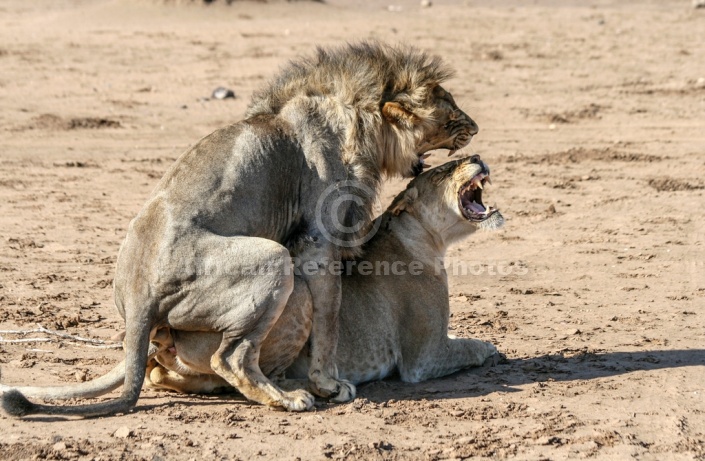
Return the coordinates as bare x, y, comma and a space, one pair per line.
391, 320
211, 249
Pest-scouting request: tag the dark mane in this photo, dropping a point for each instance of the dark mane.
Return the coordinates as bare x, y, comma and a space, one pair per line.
361, 75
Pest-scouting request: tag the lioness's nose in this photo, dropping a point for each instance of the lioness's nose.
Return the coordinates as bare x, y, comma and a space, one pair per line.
478, 161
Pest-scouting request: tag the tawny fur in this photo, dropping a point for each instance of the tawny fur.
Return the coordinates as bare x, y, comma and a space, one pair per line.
389, 323
246, 198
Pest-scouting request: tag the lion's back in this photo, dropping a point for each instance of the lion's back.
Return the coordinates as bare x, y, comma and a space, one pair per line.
237, 177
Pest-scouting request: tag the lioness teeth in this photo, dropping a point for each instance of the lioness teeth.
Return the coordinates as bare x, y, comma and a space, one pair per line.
477, 182
426, 155
451, 152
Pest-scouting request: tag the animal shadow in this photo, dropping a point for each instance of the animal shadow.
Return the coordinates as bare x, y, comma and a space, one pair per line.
568, 365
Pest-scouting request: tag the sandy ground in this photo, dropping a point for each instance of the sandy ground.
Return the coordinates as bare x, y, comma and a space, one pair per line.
591, 117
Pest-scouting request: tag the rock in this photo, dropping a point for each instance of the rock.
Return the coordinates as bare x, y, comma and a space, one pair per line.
223, 93
698, 3
118, 336
123, 433
426, 3
81, 376
59, 446
549, 440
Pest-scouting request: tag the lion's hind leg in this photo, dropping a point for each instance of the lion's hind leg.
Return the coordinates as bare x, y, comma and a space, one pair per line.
248, 283
237, 361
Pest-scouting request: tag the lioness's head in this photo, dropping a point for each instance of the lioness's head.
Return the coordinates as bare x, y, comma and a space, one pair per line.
448, 200
385, 104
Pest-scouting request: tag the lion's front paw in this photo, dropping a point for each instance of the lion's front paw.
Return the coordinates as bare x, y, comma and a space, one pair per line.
336, 390
346, 393
298, 400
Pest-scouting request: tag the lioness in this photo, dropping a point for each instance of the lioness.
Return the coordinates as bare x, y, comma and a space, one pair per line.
211, 249
394, 311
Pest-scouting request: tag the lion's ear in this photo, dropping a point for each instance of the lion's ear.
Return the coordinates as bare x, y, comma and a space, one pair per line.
405, 201
396, 114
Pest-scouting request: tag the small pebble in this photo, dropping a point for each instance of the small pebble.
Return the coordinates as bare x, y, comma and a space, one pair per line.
426, 3
122, 433
223, 93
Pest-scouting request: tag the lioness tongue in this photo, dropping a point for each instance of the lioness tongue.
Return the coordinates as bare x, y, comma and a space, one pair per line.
475, 207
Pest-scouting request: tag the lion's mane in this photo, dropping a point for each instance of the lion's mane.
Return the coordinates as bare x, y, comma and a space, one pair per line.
347, 87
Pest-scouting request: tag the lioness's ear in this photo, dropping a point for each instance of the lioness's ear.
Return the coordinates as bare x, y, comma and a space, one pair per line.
396, 114
405, 201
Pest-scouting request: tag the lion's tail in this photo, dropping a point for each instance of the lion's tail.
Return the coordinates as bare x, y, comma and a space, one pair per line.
89, 389
137, 350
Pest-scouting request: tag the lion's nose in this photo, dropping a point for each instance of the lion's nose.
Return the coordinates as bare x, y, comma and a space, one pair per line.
474, 129
472, 126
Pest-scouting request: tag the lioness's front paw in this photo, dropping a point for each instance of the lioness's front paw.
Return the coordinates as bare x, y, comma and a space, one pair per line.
491, 361
336, 390
491, 349
298, 400
493, 356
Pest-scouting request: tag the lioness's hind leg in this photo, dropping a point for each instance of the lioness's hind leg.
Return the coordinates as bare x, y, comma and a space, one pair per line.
159, 377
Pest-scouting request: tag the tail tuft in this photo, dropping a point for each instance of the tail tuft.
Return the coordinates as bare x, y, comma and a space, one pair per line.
16, 404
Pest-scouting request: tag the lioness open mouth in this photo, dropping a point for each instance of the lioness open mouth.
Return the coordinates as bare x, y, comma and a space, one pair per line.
470, 199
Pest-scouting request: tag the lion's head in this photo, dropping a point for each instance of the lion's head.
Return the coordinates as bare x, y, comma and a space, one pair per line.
385, 103
437, 123
449, 199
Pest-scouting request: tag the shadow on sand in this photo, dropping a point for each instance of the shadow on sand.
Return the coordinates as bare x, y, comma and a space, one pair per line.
476, 382
564, 366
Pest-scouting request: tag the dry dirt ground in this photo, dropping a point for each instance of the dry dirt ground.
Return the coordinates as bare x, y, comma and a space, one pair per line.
592, 117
